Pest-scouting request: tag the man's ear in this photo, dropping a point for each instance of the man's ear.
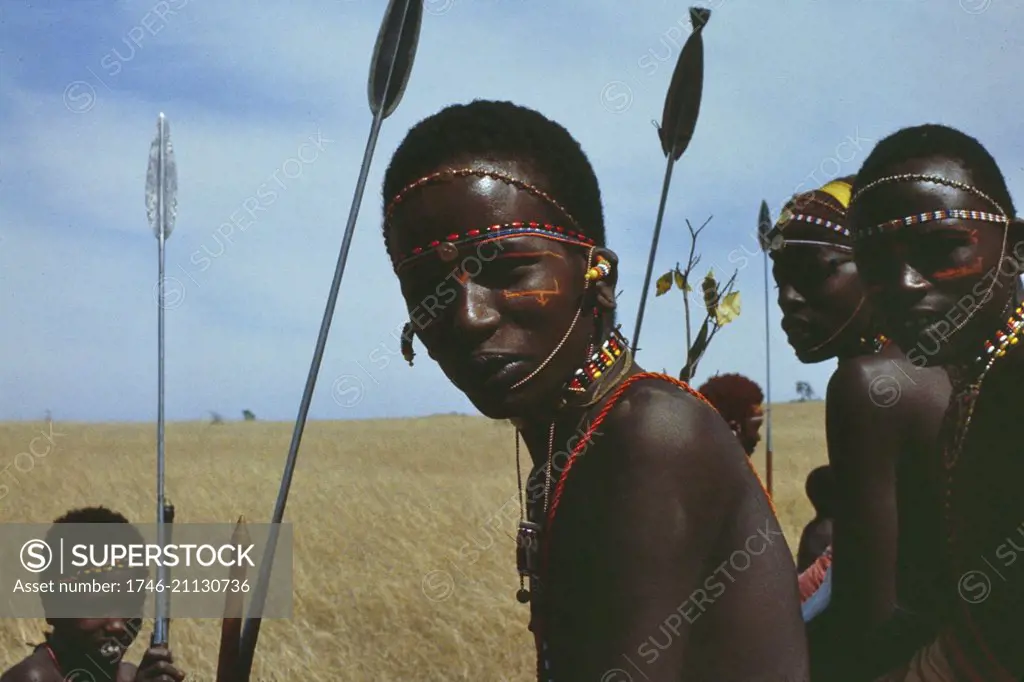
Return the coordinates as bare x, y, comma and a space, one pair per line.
605, 287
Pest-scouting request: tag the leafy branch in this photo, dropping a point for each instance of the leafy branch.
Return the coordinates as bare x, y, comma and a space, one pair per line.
721, 302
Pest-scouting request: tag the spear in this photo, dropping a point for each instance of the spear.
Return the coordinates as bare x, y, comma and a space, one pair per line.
764, 226
678, 120
161, 210
390, 67
231, 625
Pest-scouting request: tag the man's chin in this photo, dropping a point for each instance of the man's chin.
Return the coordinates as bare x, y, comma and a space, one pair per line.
813, 357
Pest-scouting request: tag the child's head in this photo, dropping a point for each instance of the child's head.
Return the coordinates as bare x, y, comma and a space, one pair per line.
821, 490
114, 620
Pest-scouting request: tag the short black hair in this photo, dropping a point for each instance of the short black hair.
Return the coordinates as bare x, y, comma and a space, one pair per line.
92, 515
820, 488
126, 533
502, 131
937, 141
122, 532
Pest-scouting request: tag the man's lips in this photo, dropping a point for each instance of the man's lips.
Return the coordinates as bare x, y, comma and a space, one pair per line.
492, 371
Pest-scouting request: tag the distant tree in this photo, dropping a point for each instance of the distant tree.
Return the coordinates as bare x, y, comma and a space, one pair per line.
805, 391
248, 416
49, 417
216, 419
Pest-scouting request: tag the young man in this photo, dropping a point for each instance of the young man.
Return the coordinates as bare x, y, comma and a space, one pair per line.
817, 535
882, 415
940, 248
650, 547
91, 649
740, 402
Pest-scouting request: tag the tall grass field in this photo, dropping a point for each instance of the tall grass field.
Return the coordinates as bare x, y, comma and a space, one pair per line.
382, 512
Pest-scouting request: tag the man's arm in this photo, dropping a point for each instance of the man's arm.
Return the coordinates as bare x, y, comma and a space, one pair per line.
674, 476
864, 442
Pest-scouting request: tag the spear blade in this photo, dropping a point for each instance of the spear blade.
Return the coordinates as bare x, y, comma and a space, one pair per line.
390, 68
162, 181
682, 105
231, 625
764, 225
679, 119
393, 55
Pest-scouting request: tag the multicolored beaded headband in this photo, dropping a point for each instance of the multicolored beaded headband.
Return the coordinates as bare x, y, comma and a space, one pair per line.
601, 269
447, 249
929, 216
838, 190
448, 175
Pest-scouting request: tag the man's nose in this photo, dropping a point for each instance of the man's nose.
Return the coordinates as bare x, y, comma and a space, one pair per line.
909, 286
789, 298
476, 312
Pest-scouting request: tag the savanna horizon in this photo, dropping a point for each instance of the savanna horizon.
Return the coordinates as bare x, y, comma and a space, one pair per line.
383, 511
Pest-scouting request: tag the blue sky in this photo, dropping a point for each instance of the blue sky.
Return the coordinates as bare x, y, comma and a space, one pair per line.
271, 97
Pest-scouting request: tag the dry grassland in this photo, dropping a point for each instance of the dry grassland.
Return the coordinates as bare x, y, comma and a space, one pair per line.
382, 512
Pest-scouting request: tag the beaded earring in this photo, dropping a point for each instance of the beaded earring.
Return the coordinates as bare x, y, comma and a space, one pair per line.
407, 350
602, 268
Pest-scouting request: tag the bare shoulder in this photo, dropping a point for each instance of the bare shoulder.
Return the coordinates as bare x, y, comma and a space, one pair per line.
31, 669
877, 383
669, 431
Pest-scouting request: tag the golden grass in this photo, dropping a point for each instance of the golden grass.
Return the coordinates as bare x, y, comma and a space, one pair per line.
382, 511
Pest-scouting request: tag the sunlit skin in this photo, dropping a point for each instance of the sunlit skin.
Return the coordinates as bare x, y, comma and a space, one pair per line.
882, 413
78, 643
662, 497
907, 273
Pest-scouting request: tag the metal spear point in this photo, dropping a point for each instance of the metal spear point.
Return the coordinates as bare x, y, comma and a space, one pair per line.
764, 226
390, 67
161, 210
682, 106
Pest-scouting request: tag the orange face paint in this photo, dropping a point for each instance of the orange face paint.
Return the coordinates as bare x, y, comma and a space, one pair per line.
960, 272
542, 295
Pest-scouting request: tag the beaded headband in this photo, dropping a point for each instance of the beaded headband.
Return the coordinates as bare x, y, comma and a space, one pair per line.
513, 229
999, 217
930, 216
447, 248
838, 190
448, 175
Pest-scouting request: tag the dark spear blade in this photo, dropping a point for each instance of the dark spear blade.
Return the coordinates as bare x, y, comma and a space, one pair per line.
682, 106
393, 55
764, 227
390, 67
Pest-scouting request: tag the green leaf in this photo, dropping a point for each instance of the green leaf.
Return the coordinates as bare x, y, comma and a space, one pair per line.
695, 352
663, 284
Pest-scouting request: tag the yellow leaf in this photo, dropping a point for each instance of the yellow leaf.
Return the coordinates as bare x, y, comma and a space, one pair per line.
663, 284
681, 282
729, 309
